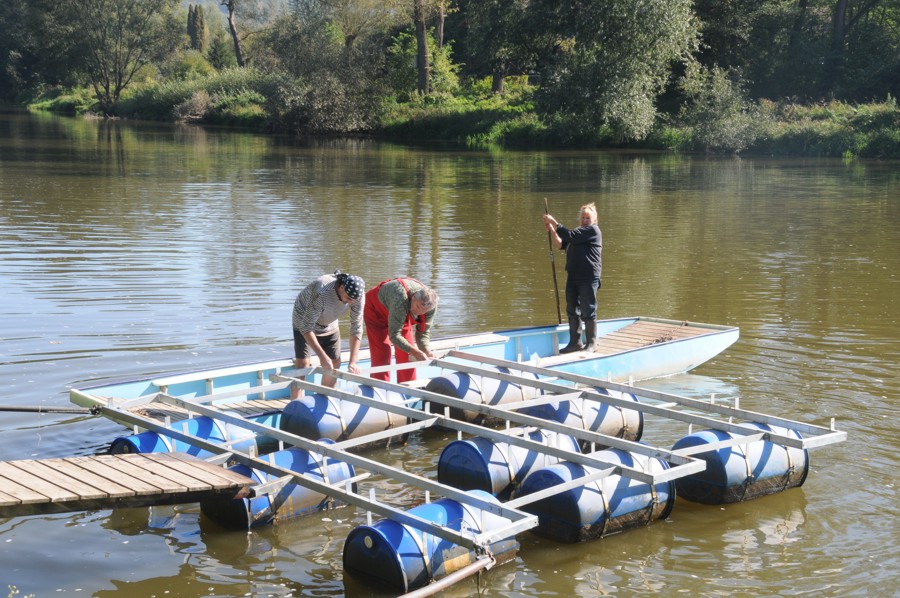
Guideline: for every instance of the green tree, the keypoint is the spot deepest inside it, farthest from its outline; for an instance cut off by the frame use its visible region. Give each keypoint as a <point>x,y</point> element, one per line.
<point>329,86</point>
<point>35,49</point>
<point>720,116</point>
<point>196,28</point>
<point>806,49</point>
<point>221,53</point>
<point>604,62</point>
<point>402,74</point>
<point>422,64</point>
<point>357,20</point>
<point>495,40</point>
<point>231,6</point>
<point>116,39</point>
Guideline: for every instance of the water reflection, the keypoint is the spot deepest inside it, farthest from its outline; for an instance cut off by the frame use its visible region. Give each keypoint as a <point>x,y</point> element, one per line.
<point>132,249</point>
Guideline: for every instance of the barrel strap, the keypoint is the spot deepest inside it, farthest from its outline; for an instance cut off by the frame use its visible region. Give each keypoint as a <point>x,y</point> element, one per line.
<point>322,465</point>
<point>390,415</point>
<point>420,542</point>
<point>332,402</point>
<point>607,514</point>
<point>654,496</point>
<point>167,440</point>
<point>790,469</point>
<point>503,449</point>
<point>624,427</point>
<point>478,387</point>
<point>748,480</point>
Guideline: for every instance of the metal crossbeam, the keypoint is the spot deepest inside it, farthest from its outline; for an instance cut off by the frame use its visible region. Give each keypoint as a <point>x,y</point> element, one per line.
<point>821,436</point>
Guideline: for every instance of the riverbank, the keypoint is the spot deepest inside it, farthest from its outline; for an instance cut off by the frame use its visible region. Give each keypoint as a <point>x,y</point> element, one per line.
<point>479,119</point>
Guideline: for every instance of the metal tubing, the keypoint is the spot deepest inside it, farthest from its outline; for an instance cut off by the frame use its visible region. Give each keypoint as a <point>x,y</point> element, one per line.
<point>484,562</point>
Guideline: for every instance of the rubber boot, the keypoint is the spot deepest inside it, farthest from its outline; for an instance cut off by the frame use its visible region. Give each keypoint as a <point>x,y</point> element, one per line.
<point>590,335</point>
<point>574,337</point>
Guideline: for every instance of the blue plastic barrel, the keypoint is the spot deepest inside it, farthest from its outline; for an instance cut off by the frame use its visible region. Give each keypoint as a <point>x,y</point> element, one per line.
<point>319,416</point>
<point>497,467</point>
<point>479,390</point>
<point>403,558</point>
<point>594,415</point>
<point>292,500</point>
<point>742,472</point>
<point>601,507</point>
<point>202,427</point>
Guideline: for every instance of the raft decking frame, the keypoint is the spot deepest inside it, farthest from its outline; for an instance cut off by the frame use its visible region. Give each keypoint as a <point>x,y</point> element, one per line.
<point>43,486</point>
<point>557,386</point>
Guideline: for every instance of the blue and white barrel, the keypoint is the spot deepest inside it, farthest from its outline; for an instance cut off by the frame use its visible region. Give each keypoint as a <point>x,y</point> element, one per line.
<point>742,472</point>
<point>290,501</point>
<point>202,427</point>
<point>594,416</point>
<point>479,390</point>
<point>601,507</point>
<point>402,558</point>
<point>497,467</point>
<point>320,416</point>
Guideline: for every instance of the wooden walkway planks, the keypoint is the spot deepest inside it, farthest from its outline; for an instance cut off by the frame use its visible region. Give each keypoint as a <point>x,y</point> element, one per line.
<point>247,409</point>
<point>33,487</point>
<point>643,333</point>
<point>634,336</point>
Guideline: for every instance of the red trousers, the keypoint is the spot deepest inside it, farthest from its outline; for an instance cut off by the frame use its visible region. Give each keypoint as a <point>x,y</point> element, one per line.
<point>375,315</point>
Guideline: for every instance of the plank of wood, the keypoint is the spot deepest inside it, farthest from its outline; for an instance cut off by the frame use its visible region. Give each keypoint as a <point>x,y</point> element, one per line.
<point>645,335</point>
<point>129,468</point>
<point>216,475</point>
<point>63,479</point>
<point>89,482</point>
<point>7,500</point>
<point>24,479</point>
<point>74,468</point>
<point>176,480</point>
<point>104,469</point>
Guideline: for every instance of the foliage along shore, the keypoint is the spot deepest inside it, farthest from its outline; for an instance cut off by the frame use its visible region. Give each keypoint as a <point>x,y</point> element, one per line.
<point>478,119</point>
<point>769,77</point>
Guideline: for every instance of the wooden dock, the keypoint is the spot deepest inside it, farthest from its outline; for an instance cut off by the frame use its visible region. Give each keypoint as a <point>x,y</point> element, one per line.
<point>34,487</point>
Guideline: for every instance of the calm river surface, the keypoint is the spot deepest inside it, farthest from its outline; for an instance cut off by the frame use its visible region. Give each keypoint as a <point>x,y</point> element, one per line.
<point>129,249</point>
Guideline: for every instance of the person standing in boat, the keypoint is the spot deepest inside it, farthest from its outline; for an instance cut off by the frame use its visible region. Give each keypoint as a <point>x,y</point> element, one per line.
<point>399,312</point>
<point>583,267</point>
<point>315,323</point>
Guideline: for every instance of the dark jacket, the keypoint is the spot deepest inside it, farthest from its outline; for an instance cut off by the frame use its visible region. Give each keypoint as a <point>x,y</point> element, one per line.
<point>582,246</point>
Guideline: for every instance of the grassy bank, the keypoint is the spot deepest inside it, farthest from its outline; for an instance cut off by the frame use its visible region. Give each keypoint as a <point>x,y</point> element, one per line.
<point>264,102</point>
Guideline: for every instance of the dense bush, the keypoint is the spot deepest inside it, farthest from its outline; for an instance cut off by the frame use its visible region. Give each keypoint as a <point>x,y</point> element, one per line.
<point>835,129</point>
<point>233,96</point>
<point>65,101</point>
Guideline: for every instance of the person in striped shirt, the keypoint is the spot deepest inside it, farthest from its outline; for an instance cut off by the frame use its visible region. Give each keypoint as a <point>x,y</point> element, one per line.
<point>315,323</point>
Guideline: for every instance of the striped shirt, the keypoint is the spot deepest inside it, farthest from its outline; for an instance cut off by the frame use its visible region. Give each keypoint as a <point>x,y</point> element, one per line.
<point>318,307</point>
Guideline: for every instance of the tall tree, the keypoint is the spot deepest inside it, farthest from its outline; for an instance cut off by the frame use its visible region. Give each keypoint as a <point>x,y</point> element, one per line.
<point>116,38</point>
<point>604,62</point>
<point>846,15</point>
<point>196,27</point>
<point>495,39</point>
<point>231,6</point>
<point>422,59</point>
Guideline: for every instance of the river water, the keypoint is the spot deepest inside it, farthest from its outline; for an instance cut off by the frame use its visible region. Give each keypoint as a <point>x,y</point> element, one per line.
<point>134,249</point>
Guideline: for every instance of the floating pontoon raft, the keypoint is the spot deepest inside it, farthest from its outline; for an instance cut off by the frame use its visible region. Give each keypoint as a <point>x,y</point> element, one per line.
<point>410,549</point>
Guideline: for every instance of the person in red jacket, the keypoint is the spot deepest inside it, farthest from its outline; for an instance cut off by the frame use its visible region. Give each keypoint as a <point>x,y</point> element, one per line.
<point>399,312</point>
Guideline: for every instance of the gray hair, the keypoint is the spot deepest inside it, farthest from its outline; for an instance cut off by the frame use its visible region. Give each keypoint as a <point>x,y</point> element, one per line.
<point>428,297</point>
